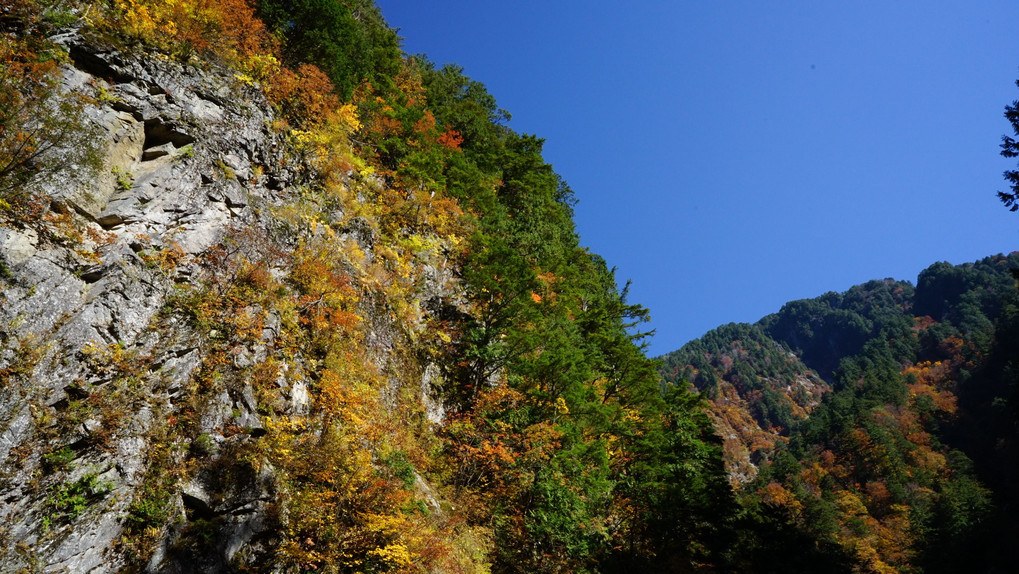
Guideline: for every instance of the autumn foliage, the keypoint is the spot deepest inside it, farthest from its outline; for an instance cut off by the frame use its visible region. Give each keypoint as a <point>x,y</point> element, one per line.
<point>226,28</point>
<point>438,377</point>
<point>877,470</point>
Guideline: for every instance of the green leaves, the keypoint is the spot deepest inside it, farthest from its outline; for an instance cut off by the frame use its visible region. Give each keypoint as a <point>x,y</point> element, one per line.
<point>348,39</point>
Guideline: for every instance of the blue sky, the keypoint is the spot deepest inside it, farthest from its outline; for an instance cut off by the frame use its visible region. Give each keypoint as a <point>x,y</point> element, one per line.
<point>732,156</point>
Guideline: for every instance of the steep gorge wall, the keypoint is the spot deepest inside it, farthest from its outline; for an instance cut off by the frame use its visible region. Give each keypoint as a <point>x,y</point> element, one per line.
<point>110,385</point>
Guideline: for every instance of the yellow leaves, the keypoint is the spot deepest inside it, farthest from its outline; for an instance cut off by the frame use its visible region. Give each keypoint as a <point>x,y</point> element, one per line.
<point>262,67</point>
<point>228,28</point>
<point>169,24</point>
<point>306,138</point>
<point>393,555</point>
<point>560,406</point>
<point>139,21</point>
<point>342,511</point>
<point>286,425</point>
<point>850,504</point>
<point>927,459</point>
<point>342,395</point>
<point>612,447</point>
<point>348,115</point>
<point>327,142</point>
<point>631,416</point>
<point>417,243</point>
<point>882,545</point>
<point>385,523</point>
<point>245,79</point>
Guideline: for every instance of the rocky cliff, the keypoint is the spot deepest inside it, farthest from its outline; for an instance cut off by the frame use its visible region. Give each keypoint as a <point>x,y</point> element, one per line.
<point>135,381</point>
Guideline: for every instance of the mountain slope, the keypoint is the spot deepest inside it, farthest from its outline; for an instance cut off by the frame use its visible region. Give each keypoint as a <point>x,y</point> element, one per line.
<point>757,388</point>
<point>892,464</point>
<point>277,297</point>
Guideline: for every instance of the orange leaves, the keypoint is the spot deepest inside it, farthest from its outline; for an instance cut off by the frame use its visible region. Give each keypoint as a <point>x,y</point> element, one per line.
<point>352,498</point>
<point>934,381</point>
<point>167,258</point>
<point>878,497</point>
<point>450,139</point>
<point>495,456</point>
<point>305,95</point>
<point>776,495</point>
<point>546,288</point>
<point>548,279</point>
<point>342,397</point>
<point>238,27</point>
<point>327,297</point>
<point>426,124</point>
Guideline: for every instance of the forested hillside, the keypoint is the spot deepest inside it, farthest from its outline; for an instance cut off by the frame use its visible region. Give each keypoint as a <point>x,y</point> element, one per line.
<point>909,462</point>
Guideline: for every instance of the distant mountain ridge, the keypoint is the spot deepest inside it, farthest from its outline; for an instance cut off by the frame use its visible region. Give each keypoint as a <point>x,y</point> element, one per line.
<point>881,418</point>
<point>777,369</point>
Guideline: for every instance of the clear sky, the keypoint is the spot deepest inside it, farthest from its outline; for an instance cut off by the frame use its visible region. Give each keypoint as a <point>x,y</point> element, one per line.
<point>731,156</point>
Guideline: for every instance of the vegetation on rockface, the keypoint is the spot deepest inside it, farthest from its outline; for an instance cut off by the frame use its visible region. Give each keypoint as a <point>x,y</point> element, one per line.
<point>891,466</point>
<point>37,119</point>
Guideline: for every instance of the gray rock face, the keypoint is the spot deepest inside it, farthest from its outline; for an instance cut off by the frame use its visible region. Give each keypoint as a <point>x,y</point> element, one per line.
<point>91,365</point>
<point>126,443</point>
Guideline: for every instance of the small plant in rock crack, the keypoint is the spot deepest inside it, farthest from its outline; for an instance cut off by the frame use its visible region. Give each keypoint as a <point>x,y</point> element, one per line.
<point>58,459</point>
<point>203,445</point>
<point>125,179</point>
<point>227,171</point>
<point>68,500</point>
<point>103,94</point>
